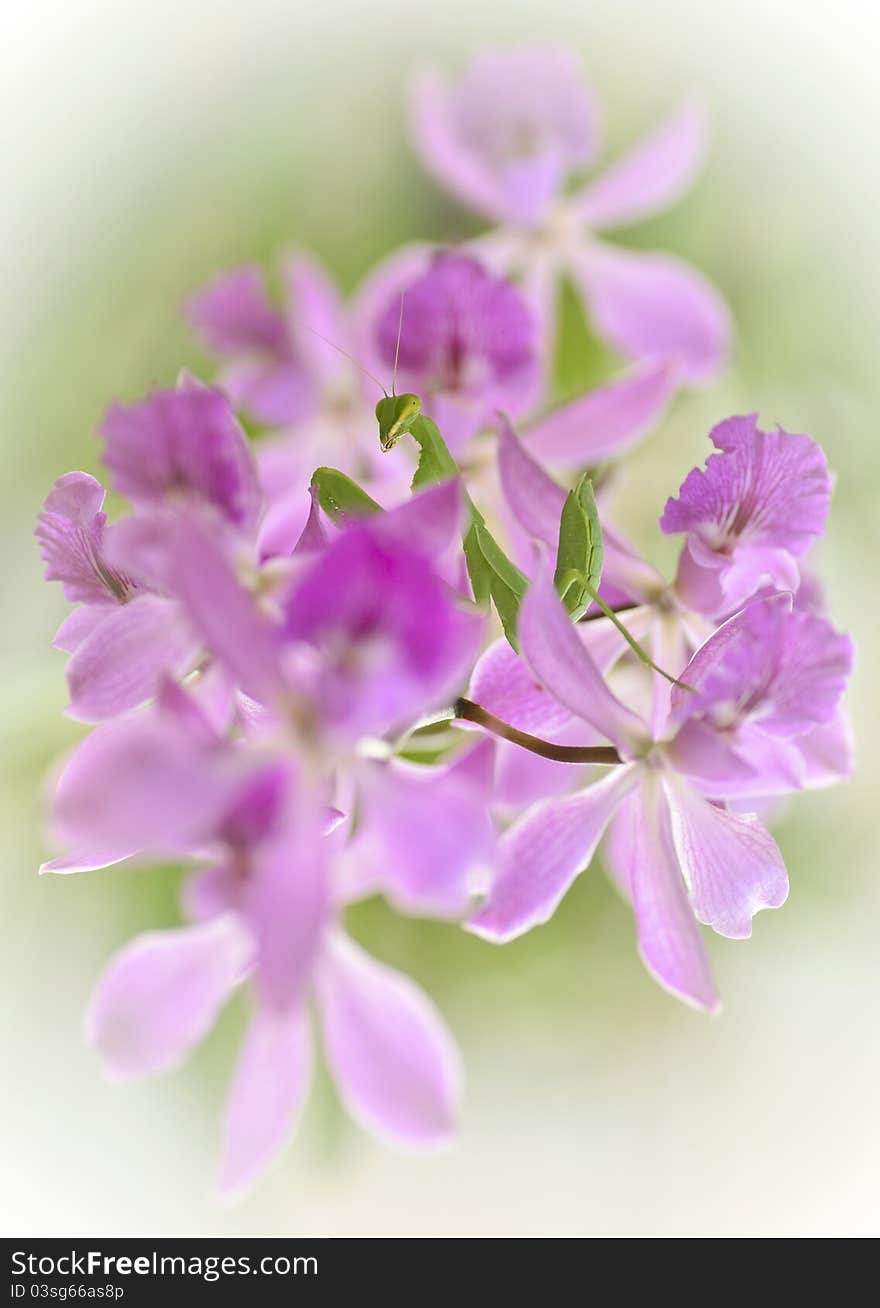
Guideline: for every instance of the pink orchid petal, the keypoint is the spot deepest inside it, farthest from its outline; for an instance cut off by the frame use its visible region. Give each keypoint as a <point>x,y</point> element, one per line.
<point>71,529</point>
<point>507,133</point>
<point>122,662</point>
<point>274,392</point>
<point>626,571</point>
<point>313,538</point>
<point>651,306</point>
<point>650,177</point>
<point>523,778</point>
<point>286,904</point>
<point>540,856</point>
<point>233,314</point>
<point>78,625</point>
<point>731,865</point>
<point>288,519</point>
<point>426,839</point>
<point>140,784</point>
<point>709,757</point>
<point>608,421</point>
<point>224,614</point>
<point>443,152</point>
<point>533,497</point>
<point>394,1061</point>
<point>316,311</point>
<point>502,684</point>
<point>85,860</point>
<point>428,522</point>
<point>268,1090</point>
<point>560,662</point>
<point>771,487</point>
<point>183,443</point>
<point>383,286</point>
<point>782,670</point>
<point>828,751</point>
<point>161,994</point>
<point>669,938</point>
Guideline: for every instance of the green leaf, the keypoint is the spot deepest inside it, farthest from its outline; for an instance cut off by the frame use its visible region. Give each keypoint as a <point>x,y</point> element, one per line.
<point>435,461</point>
<point>580,554</point>
<point>340,497</point>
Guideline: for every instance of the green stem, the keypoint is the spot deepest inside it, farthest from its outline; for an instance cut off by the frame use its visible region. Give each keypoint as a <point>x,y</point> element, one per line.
<point>634,645</point>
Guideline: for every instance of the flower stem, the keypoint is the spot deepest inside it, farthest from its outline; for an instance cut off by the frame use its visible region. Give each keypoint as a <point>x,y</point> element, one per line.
<point>468,711</point>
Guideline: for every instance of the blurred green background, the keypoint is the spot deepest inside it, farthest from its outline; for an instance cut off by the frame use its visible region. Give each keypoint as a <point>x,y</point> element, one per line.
<point>148,146</point>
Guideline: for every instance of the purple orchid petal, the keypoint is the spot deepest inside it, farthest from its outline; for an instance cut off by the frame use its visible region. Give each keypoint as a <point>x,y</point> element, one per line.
<point>316,320</point>
<point>270,1085</point>
<point>233,314</point>
<point>78,626</point>
<point>540,856</point>
<point>313,538</point>
<point>533,497</point>
<point>142,784</point>
<point>394,1062</point>
<point>71,530</point>
<point>273,393</point>
<point>709,756</point>
<point>122,662</point>
<point>182,444</point>
<point>224,614</point>
<point>669,938</point>
<point>828,751</point>
<point>608,421</point>
<point>85,860</point>
<point>731,865</point>
<point>781,669</point>
<point>212,891</point>
<point>161,994</point>
<point>651,306</point>
<point>468,344</point>
<point>140,547</point>
<point>363,604</point>
<point>507,134</point>
<point>426,839</point>
<point>627,572</point>
<point>523,778</point>
<point>286,904</point>
<point>560,662</point>
<point>262,373</point>
<point>761,500</point>
<point>502,684</point>
<point>444,154</point>
<point>651,176</point>
<point>428,522</point>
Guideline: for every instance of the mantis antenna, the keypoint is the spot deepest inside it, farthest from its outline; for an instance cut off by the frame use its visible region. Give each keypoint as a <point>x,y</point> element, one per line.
<point>395,414</point>
<point>350,357</point>
<point>397,347</point>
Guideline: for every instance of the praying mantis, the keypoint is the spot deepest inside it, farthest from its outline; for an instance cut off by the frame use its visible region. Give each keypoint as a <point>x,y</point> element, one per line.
<point>395,413</point>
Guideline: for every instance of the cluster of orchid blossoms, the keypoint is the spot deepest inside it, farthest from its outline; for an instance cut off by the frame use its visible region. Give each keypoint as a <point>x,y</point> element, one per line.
<point>327,662</point>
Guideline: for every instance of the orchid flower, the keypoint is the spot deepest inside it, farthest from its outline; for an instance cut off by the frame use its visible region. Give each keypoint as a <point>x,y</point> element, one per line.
<point>682,858</point>
<point>508,136</point>
<point>293,371</point>
<point>264,914</point>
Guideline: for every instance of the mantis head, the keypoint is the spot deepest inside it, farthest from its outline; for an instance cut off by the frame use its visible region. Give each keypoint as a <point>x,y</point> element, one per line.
<point>395,415</point>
